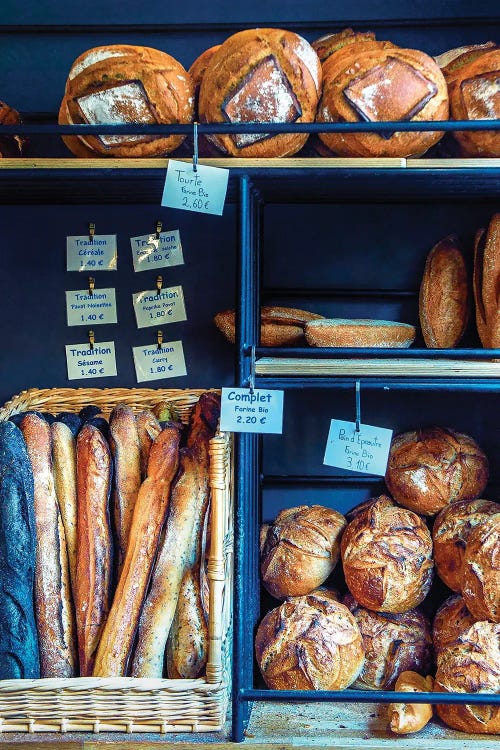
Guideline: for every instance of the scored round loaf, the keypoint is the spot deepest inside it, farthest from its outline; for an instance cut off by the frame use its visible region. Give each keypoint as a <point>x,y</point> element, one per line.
<point>472,665</point>
<point>330,43</point>
<point>481,570</point>
<point>10,145</point>
<point>340,332</point>
<point>450,621</point>
<point>450,533</point>
<point>452,61</point>
<point>261,75</point>
<point>387,557</point>
<point>393,643</point>
<point>300,550</point>
<point>474,96</point>
<point>279,326</point>
<point>432,467</point>
<point>377,81</point>
<point>126,84</point>
<point>486,282</point>
<point>444,295</point>
<point>309,643</point>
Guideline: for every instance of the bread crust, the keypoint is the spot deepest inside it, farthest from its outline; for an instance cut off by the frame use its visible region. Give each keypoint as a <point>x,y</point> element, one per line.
<point>327,44</point>
<point>279,326</point>
<point>338,332</point>
<point>481,570</point>
<point>406,718</point>
<point>10,145</point>
<point>450,621</point>
<point>148,429</point>
<point>64,462</point>
<point>486,281</point>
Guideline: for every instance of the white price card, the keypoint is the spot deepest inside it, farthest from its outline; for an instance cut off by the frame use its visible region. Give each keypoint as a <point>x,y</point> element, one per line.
<point>152,363</point>
<point>366,451</point>
<point>149,252</point>
<point>98,308</point>
<point>203,191</point>
<point>243,410</point>
<point>96,254</point>
<point>84,362</point>
<point>153,309</point>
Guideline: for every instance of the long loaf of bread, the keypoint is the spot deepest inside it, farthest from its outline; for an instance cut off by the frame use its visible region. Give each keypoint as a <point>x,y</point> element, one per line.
<point>149,515</point>
<point>53,602</point>
<point>187,644</point>
<point>64,460</point>
<point>94,545</point>
<point>148,428</point>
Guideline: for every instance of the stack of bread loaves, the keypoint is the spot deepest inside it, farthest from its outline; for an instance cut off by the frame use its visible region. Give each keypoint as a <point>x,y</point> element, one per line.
<point>376,637</point>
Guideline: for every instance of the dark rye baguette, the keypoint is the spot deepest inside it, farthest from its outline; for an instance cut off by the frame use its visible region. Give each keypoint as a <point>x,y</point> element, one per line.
<point>64,460</point>
<point>53,602</point>
<point>149,514</point>
<point>148,429</point>
<point>124,442</point>
<point>94,558</point>
<point>18,636</point>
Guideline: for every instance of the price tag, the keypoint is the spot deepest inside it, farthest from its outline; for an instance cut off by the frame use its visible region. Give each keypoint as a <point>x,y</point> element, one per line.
<point>84,362</point>
<point>246,411</point>
<point>83,308</point>
<point>97,254</point>
<point>153,309</point>
<point>366,451</point>
<point>148,252</point>
<point>152,363</point>
<point>203,191</point>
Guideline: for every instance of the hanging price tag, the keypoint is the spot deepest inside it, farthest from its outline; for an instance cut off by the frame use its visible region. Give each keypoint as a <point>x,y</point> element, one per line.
<point>84,362</point>
<point>153,309</point>
<point>152,363</point>
<point>149,252</point>
<point>203,191</point>
<point>366,451</point>
<point>96,254</point>
<point>243,410</point>
<point>98,308</point>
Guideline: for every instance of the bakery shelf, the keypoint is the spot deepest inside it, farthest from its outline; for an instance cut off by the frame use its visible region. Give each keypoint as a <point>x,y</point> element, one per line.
<point>377,367</point>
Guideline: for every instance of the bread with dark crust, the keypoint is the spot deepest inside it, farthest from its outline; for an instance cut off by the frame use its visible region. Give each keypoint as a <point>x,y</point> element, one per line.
<point>327,44</point>
<point>486,283</point>
<point>450,621</point>
<point>481,570</point>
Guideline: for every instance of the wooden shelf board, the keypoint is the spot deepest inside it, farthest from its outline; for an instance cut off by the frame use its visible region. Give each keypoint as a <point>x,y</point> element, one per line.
<point>453,163</point>
<point>161,164</point>
<point>430,368</point>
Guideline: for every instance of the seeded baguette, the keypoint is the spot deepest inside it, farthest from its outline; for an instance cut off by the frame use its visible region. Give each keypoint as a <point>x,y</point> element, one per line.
<point>338,332</point>
<point>279,326</point>
<point>64,458</point>
<point>148,429</point>
<point>187,644</point>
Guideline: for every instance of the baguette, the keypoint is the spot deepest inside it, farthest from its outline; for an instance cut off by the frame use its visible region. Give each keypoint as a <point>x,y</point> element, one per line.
<point>486,282</point>
<point>149,515</point>
<point>405,718</point>
<point>53,603</point>
<point>148,429</point>
<point>124,442</point>
<point>94,543</point>
<point>64,458</point>
<point>187,644</point>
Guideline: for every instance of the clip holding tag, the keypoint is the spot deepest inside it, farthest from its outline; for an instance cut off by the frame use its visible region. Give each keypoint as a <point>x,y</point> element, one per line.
<point>195,149</point>
<point>91,340</point>
<point>91,231</point>
<point>358,405</point>
<point>251,379</point>
<point>159,226</point>
<point>91,286</point>
<point>159,339</point>
<point>159,284</point>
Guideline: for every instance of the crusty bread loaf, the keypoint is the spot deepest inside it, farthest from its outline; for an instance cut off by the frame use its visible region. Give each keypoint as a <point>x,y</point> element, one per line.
<point>387,557</point>
<point>374,81</point>
<point>340,332</point>
<point>197,71</point>
<point>261,75</point>
<point>432,467</point>
<point>147,521</point>
<point>444,295</point>
<point>393,643</point>
<point>481,570</point>
<point>454,59</point>
<point>64,459</point>
<point>10,145</point>
<point>406,718</point>
<point>300,550</point>
<point>450,621</point>
<point>148,428</point>
<point>472,665</point>
<point>279,326</point>
<point>187,645</point>
<point>450,533</point>
<point>486,283</point>
<point>330,43</point>
<point>309,643</point>
<point>53,602</point>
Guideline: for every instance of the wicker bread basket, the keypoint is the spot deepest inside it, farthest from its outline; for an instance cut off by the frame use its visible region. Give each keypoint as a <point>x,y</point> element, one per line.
<point>129,704</point>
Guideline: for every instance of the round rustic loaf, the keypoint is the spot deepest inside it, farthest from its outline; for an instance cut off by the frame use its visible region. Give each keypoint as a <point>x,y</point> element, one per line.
<point>309,643</point>
<point>300,549</point>
<point>452,61</point>
<point>432,467</point>
<point>481,570</point>
<point>261,75</point>
<point>126,84</point>
<point>472,665</point>
<point>330,43</point>
<point>340,332</point>
<point>279,326</point>
<point>450,621</point>
<point>450,533</point>
<point>387,557</point>
<point>198,68</point>
<point>393,643</point>
<point>376,81</point>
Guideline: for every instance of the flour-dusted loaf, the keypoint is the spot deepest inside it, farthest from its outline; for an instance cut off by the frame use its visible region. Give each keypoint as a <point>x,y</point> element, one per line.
<point>450,533</point>
<point>309,643</point>
<point>393,643</point>
<point>300,550</point>
<point>387,557</point>
<point>18,634</point>
<point>55,617</point>
<point>375,81</point>
<point>450,621</point>
<point>261,75</point>
<point>444,295</point>
<point>472,665</point>
<point>279,326</point>
<point>126,84</point>
<point>486,283</point>
<point>481,570</point>
<point>340,332</point>
<point>432,467</point>
<point>64,460</point>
